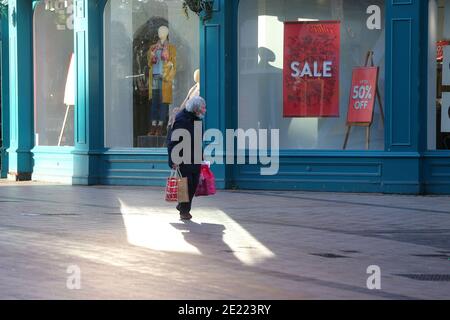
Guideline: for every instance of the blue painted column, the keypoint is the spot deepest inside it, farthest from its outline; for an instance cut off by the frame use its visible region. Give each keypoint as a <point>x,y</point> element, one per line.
<point>89,99</point>
<point>21,89</point>
<point>404,82</point>
<point>5,97</point>
<point>217,39</point>
<point>406,87</point>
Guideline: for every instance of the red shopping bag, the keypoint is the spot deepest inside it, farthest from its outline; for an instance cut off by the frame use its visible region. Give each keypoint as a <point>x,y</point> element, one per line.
<point>172,186</point>
<point>207,183</point>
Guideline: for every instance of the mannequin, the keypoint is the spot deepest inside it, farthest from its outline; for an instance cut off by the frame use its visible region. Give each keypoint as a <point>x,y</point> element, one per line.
<point>193,92</point>
<point>69,95</point>
<point>162,57</point>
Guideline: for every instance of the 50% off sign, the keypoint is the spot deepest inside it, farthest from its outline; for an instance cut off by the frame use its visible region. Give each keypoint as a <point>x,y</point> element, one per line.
<point>362,97</point>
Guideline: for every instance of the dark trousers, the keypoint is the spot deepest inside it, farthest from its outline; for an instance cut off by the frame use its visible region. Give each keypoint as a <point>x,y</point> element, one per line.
<point>159,110</point>
<point>193,177</point>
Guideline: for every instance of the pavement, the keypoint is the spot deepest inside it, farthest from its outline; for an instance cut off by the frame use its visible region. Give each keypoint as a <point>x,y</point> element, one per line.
<point>102,242</point>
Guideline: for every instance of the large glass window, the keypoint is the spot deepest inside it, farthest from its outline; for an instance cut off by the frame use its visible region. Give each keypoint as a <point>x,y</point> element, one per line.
<point>439,75</point>
<point>53,76</point>
<point>311,111</point>
<point>151,51</point>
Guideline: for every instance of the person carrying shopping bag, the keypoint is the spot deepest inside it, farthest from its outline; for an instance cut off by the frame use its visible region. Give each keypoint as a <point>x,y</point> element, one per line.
<point>194,112</point>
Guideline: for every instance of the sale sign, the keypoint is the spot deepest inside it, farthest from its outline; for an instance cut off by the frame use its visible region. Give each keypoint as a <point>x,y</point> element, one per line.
<point>362,95</point>
<point>311,69</point>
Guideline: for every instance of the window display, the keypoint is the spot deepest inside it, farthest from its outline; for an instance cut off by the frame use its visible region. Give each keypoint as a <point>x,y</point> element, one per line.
<point>297,59</point>
<point>162,59</point>
<point>151,51</point>
<point>54,88</point>
<point>439,75</point>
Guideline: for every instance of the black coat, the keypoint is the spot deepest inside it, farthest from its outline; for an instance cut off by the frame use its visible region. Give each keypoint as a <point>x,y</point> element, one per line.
<point>185,120</point>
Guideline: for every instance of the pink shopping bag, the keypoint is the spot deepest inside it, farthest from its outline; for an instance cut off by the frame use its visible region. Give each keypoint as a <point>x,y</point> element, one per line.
<point>207,183</point>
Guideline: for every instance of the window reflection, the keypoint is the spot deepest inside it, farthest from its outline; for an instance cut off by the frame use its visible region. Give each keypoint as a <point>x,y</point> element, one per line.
<point>261,62</point>
<point>54,86</point>
<point>151,52</point>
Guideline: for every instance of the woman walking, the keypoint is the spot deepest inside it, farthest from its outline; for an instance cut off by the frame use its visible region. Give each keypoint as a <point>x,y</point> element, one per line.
<point>195,111</point>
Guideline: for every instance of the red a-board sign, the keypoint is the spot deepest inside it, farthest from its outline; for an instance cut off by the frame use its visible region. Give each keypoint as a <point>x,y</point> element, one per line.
<point>311,69</point>
<point>440,49</point>
<point>362,95</point>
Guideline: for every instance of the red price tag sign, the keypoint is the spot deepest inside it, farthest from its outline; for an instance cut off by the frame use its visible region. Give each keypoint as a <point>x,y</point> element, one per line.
<point>362,95</point>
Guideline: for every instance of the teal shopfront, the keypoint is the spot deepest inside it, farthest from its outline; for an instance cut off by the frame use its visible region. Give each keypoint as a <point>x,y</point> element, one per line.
<point>88,87</point>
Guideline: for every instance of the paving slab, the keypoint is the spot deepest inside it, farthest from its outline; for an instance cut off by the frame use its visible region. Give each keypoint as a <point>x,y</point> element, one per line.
<point>127,243</point>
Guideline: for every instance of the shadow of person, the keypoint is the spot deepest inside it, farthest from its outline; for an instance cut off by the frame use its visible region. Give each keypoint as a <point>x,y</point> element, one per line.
<point>208,238</point>
<point>270,80</point>
<point>266,57</point>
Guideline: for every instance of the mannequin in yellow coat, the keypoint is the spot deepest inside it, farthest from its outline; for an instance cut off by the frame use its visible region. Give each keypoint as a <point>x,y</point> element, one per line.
<point>162,62</point>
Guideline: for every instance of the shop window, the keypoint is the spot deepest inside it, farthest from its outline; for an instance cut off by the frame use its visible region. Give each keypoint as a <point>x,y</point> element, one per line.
<point>439,75</point>
<point>151,52</point>
<point>296,72</point>
<point>54,86</point>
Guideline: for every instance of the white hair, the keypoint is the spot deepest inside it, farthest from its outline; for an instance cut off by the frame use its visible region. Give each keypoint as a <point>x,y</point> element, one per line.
<point>195,104</point>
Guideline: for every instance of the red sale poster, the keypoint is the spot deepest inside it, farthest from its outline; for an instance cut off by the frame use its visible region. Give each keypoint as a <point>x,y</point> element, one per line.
<point>311,69</point>
<point>362,95</point>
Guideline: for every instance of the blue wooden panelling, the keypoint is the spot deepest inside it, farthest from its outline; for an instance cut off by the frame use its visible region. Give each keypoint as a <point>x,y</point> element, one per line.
<point>404,81</point>
<point>53,164</point>
<point>128,167</point>
<point>337,171</point>
<point>5,97</point>
<point>400,74</point>
<point>89,100</point>
<point>437,172</point>
<point>214,66</point>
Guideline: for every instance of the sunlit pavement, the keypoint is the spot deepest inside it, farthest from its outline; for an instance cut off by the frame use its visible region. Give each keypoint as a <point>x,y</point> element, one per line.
<point>129,244</point>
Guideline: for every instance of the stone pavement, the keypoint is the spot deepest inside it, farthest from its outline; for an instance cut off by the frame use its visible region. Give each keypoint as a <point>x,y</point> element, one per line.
<point>129,244</point>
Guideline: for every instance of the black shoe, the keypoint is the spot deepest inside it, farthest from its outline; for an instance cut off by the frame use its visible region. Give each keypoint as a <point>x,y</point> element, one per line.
<point>185,216</point>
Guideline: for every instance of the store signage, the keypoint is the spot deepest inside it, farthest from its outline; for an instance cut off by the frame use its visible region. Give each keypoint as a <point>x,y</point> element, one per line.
<point>446,67</point>
<point>445,114</point>
<point>311,69</point>
<point>362,95</point>
<point>440,49</point>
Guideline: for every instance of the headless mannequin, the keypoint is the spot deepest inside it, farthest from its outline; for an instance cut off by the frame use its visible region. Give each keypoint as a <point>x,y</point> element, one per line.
<point>193,92</point>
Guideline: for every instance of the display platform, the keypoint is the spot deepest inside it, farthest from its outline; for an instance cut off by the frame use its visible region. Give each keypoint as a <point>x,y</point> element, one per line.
<point>152,142</point>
